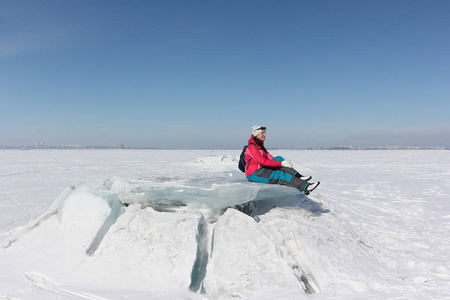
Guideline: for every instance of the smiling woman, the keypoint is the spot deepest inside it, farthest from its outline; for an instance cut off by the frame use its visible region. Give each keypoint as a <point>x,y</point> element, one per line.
<point>264,168</point>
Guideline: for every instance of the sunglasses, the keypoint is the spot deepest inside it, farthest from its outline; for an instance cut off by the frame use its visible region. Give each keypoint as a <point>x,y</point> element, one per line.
<point>261,128</point>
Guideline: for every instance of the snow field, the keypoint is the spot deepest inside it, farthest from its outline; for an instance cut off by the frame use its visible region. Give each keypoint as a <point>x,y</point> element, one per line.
<point>377,227</point>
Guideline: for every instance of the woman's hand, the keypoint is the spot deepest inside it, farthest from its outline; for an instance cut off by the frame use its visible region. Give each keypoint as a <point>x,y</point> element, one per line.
<point>286,163</point>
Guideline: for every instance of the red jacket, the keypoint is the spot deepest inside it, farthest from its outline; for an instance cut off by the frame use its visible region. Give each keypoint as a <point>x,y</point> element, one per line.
<point>257,157</point>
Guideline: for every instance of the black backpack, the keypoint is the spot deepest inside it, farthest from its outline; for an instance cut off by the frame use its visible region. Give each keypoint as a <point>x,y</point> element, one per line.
<point>242,163</point>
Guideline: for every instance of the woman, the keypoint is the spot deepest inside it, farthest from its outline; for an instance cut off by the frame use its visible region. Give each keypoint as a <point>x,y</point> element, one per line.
<point>264,168</point>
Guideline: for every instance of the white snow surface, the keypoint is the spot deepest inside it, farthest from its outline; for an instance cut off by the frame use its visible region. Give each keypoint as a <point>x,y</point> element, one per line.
<point>376,228</point>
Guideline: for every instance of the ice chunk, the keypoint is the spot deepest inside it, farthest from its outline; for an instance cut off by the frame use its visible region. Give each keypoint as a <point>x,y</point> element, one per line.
<point>53,209</point>
<point>83,215</point>
<point>88,213</point>
<point>116,209</point>
<point>244,262</point>
<point>56,245</point>
<point>216,197</point>
<point>147,248</point>
<point>207,191</point>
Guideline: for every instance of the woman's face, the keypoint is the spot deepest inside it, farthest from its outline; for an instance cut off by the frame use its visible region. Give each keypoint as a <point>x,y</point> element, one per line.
<point>261,136</point>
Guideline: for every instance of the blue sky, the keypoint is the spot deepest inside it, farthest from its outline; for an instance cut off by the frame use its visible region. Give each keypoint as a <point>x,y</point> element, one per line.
<point>198,74</point>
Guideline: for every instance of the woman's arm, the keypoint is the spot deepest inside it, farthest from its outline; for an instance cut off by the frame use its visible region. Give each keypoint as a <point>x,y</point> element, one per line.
<point>261,160</point>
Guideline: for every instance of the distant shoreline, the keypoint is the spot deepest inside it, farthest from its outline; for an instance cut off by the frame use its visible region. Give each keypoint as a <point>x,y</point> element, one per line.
<point>339,148</point>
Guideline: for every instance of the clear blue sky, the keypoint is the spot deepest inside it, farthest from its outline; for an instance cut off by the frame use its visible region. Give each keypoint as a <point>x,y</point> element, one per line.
<point>195,74</point>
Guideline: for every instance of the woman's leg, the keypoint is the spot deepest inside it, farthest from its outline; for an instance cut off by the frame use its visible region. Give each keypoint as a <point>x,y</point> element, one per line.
<point>291,171</point>
<point>274,176</point>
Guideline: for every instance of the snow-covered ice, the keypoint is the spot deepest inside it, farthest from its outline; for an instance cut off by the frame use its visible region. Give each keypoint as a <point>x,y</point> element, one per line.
<point>376,228</point>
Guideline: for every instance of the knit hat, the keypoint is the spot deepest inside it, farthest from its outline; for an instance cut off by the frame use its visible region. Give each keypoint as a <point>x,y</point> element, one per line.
<point>256,129</point>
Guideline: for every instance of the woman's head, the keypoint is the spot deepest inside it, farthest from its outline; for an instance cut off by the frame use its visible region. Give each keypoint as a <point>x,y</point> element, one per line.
<point>259,132</point>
